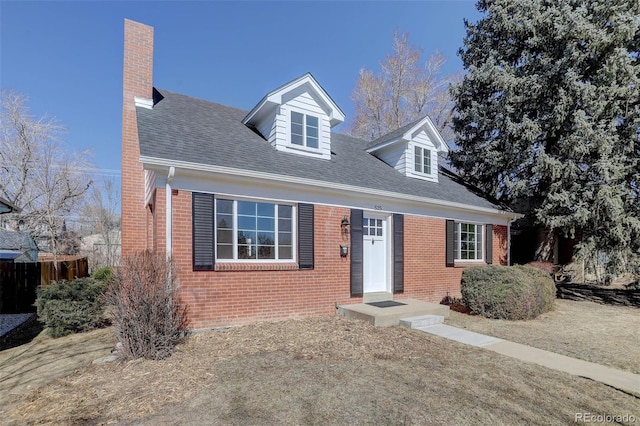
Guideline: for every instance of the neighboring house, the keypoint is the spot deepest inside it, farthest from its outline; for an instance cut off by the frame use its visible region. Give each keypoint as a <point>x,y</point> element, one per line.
<point>7,207</point>
<point>270,214</point>
<point>101,251</point>
<point>17,247</point>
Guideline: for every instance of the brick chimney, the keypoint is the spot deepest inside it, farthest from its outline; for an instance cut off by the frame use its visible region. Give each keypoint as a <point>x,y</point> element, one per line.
<point>137,82</point>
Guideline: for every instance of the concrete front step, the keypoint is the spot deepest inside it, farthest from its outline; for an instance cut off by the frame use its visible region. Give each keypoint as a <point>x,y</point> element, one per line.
<point>385,317</point>
<point>421,321</point>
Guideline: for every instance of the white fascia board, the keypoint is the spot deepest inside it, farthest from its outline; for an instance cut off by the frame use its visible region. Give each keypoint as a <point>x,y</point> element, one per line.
<point>336,115</point>
<point>383,145</point>
<point>437,135</point>
<point>255,110</point>
<point>152,163</point>
<point>432,130</point>
<point>274,98</point>
<point>408,136</point>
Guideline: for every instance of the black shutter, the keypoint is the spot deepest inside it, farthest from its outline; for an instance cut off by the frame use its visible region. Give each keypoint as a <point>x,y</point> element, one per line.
<point>488,253</point>
<point>356,253</point>
<point>398,253</point>
<point>202,213</point>
<point>305,236</point>
<point>450,256</point>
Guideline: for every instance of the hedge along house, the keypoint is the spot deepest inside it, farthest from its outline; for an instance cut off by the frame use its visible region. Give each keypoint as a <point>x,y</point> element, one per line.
<point>270,214</point>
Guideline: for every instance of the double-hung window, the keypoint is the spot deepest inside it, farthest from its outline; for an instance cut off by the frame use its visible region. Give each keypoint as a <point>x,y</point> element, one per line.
<point>304,130</point>
<point>253,230</point>
<point>422,160</point>
<point>468,241</point>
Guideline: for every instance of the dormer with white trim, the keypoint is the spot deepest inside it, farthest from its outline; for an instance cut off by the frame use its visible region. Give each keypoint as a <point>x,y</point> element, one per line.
<point>412,150</point>
<point>297,118</point>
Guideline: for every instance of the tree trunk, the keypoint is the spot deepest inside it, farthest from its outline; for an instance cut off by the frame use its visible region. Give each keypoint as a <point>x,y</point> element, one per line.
<point>546,243</point>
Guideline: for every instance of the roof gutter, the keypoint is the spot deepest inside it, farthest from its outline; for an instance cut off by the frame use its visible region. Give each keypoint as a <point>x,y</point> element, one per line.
<point>322,184</point>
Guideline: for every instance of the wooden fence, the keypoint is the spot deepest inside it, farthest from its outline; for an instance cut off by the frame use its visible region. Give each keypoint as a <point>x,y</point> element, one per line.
<point>69,267</point>
<point>19,281</point>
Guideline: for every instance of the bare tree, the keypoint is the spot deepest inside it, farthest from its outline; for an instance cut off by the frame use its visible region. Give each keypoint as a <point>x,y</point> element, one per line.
<point>38,173</point>
<point>102,213</point>
<point>404,91</point>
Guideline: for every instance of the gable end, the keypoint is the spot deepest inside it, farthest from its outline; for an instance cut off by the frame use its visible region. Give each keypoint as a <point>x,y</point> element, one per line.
<point>297,118</point>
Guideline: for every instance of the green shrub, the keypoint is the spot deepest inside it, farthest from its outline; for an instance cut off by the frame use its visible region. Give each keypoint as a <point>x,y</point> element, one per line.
<point>507,292</point>
<point>67,307</point>
<point>102,274</point>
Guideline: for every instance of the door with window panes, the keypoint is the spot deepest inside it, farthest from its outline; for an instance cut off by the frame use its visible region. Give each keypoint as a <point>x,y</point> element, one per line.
<point>375,253</point>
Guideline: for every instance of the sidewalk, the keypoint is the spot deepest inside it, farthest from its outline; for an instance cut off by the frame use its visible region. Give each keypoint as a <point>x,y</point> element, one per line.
<point>623,380</point>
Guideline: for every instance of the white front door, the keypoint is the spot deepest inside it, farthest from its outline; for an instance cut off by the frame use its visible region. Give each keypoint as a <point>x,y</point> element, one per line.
<point>375,253</point>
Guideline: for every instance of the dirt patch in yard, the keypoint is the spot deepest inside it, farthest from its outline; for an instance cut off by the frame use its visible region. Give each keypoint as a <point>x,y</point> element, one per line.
<point>327,370</point>
<point>603,334</point>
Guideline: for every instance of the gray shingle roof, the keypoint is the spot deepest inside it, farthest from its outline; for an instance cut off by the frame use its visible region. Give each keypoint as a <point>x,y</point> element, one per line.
<point>182,128</point>
<point>393,135</point>
<point>14,240</point>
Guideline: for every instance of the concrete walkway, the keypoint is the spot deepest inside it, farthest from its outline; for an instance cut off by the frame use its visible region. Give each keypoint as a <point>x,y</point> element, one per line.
<point>618,379</point>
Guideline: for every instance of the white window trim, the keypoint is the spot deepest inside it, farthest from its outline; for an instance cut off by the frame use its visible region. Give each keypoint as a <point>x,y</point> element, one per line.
<point>294,231</point>
<point>422,156</point>
<point>304,147</point>
<point>433,176</point>
<point>457,243</point>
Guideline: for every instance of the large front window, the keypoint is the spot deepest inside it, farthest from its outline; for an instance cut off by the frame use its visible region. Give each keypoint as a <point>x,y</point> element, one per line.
<point>304,130</point>
<point>468,241</point>
<point>253,230</point>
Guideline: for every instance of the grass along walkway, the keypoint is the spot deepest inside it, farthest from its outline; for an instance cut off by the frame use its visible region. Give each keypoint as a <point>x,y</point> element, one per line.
<point>602,334</point>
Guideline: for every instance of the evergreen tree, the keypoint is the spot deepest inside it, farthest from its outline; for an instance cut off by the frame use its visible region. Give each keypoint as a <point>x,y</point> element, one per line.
<point>548,119</point>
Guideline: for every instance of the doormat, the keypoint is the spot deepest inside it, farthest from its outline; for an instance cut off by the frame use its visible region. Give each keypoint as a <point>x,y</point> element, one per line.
<point>386,304</point>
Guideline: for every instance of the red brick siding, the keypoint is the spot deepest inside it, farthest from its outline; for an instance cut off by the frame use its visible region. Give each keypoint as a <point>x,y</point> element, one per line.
<point>243,293</point>
<point>137,81</point>
<point>500,244</point>
<point>426,276</point>
<point>218,298</point>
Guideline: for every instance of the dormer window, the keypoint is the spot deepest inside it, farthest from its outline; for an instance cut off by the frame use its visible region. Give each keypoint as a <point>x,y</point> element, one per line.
<point>297,118</point>
<point>304,130</point>
<point>422,160</point>
<point>412,150</point>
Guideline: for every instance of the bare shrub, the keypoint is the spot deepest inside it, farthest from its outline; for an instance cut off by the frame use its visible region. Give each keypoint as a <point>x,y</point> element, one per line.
<point>148,317</point>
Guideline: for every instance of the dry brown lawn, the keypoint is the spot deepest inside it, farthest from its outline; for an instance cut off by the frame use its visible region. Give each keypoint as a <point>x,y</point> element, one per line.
<point>603,334</point>
<point>44,359</point>
<point>326,370</point>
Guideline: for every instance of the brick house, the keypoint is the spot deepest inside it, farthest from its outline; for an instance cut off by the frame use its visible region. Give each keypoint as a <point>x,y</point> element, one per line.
<point>270,214</point>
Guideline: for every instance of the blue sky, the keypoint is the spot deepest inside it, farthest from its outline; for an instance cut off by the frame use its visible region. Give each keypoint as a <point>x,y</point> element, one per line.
<point>67,56</point>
